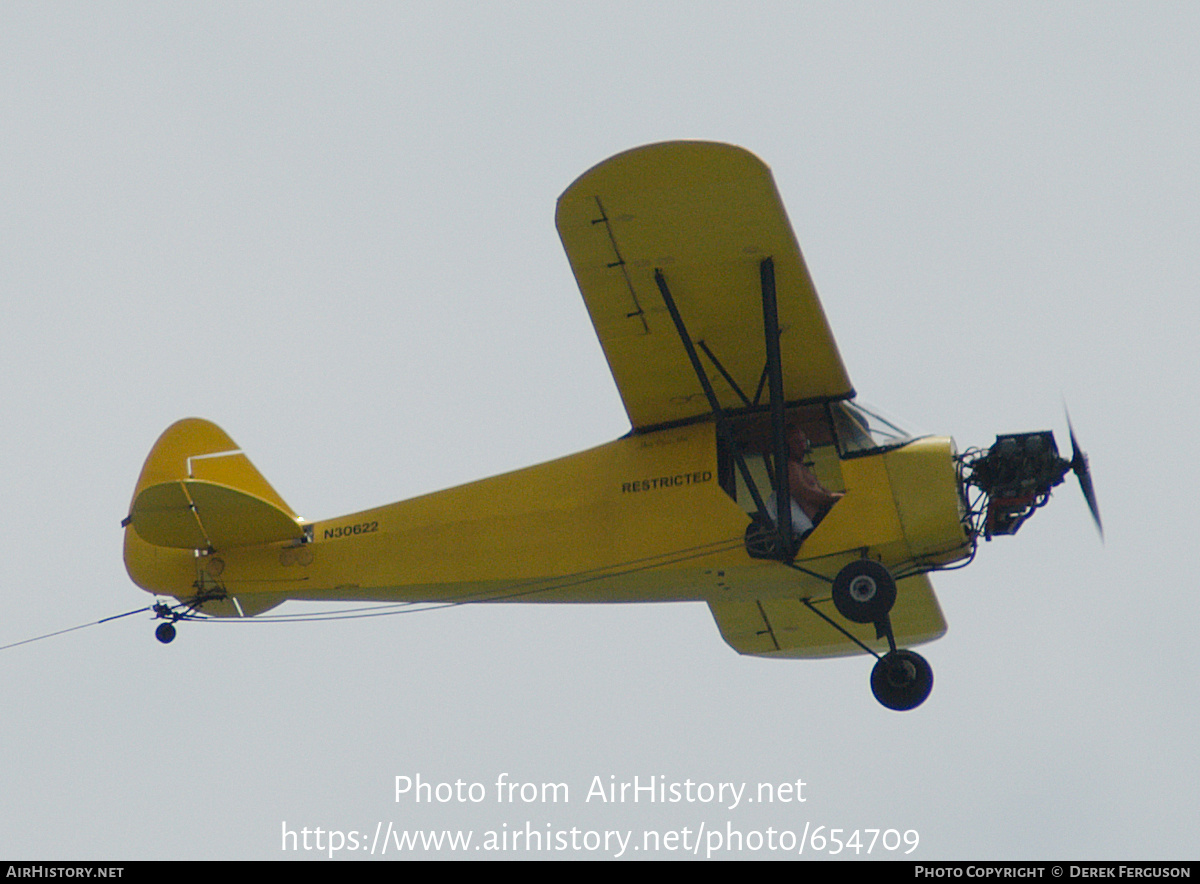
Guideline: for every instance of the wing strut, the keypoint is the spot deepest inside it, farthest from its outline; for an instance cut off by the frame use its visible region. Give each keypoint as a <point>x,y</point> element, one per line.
<point>712,357</point>
<point>783,497</point>
<point>702,376</point>
<point>774,372</point>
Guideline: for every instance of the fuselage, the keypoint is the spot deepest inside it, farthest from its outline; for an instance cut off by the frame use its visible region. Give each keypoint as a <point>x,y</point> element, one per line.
<point>656,516</point>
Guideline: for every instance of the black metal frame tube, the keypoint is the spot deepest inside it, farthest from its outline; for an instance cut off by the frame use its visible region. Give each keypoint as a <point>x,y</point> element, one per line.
<point>783,497</point>
<point>713,403</point>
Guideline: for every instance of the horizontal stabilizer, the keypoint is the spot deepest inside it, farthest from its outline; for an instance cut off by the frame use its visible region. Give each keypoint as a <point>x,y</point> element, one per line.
<point>199,491</point>
<point>194,514</point>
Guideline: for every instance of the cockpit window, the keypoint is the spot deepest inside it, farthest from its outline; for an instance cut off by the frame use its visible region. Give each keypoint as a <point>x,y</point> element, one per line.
<point>859,429</point>
<point>751,437</point>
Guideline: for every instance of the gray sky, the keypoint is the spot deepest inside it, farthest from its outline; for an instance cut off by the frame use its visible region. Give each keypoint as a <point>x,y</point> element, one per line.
<point>329,229</point>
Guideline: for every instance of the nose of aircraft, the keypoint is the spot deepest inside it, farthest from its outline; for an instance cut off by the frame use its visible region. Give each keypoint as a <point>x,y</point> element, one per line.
<point>1017,474</point>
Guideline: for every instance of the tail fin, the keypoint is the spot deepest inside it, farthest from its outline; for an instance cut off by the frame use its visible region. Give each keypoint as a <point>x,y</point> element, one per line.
<point>198,491</point>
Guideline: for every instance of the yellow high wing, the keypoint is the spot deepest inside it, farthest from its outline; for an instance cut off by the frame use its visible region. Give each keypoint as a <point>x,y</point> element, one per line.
<point>704,215</point>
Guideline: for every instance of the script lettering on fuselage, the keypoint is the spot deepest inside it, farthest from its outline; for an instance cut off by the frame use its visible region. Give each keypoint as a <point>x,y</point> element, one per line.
<point>660,482</point>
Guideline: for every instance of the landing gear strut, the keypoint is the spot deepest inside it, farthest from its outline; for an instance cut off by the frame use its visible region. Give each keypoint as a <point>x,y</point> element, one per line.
<point>864,592</point>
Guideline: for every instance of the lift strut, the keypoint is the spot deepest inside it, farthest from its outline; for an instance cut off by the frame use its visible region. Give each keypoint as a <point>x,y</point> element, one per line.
<point>785,545</point>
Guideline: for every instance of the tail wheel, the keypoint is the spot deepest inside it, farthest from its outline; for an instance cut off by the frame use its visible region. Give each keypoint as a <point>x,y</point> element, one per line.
<point>901,680</point>
<point>165,633</point>
<point>864,591</point>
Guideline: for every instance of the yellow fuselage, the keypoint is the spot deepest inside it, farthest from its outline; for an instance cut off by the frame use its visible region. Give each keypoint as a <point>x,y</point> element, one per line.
<point>643,518</point>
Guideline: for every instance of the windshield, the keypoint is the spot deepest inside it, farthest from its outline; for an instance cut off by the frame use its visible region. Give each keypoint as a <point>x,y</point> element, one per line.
<point>861,429</point>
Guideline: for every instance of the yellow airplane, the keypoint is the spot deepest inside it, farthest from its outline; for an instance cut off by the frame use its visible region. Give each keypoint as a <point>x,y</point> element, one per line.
<point>737,398</point>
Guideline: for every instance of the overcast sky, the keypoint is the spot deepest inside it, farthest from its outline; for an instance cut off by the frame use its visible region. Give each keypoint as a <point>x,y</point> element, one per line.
<point>329,228</point>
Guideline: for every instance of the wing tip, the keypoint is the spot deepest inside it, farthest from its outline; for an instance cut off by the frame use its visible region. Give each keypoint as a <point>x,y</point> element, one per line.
<point>690,154</point>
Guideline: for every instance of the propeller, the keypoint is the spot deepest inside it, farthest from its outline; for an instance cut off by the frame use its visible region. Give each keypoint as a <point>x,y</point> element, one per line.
<point>1079,466</point>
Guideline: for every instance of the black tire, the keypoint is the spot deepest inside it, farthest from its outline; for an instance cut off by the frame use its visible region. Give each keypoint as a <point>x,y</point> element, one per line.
<point>864,591</point>
<point>902,680</point>
<point>165,633</point>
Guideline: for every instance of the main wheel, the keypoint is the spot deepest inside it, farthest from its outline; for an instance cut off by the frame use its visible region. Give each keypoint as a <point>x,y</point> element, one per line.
<point>902,680</point>
<point>864,591</point>
<point>165,633</point>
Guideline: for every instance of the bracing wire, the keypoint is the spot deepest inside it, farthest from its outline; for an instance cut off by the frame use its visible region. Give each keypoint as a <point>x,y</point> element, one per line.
<point>38,638</point>
<point>319,616</point>
<point>185,610</point>
<point>519,590</point>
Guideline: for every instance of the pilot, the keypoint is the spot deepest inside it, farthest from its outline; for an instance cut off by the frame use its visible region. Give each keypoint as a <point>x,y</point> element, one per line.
<point>810,499</point>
